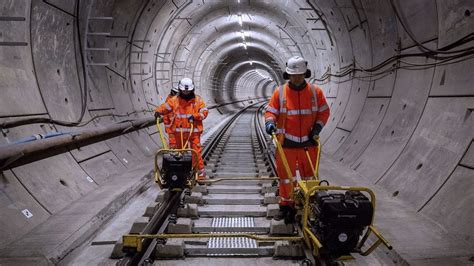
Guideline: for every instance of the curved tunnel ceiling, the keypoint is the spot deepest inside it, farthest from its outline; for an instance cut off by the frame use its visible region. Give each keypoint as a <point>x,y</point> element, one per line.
<point>399,87</point>
<point>220,35</point>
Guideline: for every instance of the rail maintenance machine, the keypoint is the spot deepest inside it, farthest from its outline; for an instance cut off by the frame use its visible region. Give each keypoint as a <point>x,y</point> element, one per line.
<point>333,221</point>
<point>177,171</point>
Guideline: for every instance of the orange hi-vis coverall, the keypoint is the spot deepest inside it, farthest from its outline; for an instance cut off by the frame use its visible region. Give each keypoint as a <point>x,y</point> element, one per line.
<point>167,121</point>
<point>295,112</point>
<point>181,111</point>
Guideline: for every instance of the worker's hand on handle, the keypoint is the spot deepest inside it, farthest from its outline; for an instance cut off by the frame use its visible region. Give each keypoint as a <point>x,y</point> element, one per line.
<point>316,139</point>
<point>314,134</point>
<point>158,117</point>
<point>191,119</point>
<point>270,127</point>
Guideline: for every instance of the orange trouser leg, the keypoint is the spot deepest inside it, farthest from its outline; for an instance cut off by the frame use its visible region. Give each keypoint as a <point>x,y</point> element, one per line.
<point>194,143</point>
<point>284,186</point>
<point>172,140</point>
<point>293,155</point>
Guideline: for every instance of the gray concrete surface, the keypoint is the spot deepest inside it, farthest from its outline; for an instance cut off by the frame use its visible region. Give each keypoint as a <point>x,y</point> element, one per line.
<point>408,132</point>
<point>66,230</point>
<point>99,247</point>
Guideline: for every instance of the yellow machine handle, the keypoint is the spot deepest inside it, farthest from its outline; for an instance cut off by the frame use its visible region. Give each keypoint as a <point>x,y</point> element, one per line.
<point>316,169</point>
<point>162,137</point>
<point>315,174</point>
<point>189,136</point>
<point>285,163</point>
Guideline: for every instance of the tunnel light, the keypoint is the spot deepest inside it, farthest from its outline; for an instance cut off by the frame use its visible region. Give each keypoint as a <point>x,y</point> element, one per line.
<point>251,62</point>
<point>242,34</point>
<point>245,46</point>
<point>240,19</point>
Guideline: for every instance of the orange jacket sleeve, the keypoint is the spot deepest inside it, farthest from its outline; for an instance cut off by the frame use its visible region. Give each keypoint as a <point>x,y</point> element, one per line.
<point>167,118</point>
<point>165,108</point>
<point>201,108</point>
<point>273,108</point>
<point>323,108</point>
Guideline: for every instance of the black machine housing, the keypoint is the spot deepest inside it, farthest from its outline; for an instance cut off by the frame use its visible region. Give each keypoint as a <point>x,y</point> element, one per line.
<point>339,219</point>
<point>176,170</point>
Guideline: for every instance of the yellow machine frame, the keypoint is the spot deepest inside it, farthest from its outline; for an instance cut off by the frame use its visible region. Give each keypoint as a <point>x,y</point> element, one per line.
<point>135,241</point>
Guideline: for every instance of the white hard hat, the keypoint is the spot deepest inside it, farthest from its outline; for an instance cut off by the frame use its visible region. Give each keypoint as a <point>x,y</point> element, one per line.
<point>186,84</point>
<point>296,65</point>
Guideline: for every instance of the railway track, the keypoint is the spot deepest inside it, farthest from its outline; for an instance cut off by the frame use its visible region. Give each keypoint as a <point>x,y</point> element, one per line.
<point>224,220</point>
<point>229,203</point>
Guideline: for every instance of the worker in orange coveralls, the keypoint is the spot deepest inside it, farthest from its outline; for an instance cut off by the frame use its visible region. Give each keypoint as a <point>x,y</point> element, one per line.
<point>187,108</point>
<point>296,113</point>
<point>168,120</point>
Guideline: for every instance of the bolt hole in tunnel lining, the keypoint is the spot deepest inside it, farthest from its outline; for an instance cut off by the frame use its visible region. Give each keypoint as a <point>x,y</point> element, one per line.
<point>63,182</point>
<point>418,167</point>
<point>395,193</point>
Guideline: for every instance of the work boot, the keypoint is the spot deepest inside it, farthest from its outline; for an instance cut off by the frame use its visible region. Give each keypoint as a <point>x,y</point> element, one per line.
<point>202,174</point>
<point>282,213</point>
<point>290,216</point>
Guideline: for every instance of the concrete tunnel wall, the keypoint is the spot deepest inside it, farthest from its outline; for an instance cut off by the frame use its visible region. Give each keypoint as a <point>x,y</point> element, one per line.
<point>409,130</point>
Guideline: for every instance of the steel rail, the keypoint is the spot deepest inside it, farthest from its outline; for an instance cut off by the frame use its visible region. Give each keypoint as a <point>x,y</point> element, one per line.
<point>156,222</point>
<point>262,140</point>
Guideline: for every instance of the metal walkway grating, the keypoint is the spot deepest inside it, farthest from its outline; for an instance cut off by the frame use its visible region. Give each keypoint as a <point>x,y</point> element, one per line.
<point>232,246</point>
<point>233,222</point>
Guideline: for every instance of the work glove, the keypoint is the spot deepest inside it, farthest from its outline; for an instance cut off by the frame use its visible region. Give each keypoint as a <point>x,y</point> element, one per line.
<point>191,119</point>
<point>315,132</point>
<point>157,115</point>
<point>270,127</point>
<point>197,116</point>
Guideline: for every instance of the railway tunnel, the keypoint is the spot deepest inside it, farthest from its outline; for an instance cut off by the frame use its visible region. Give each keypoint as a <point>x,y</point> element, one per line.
<point>80,80</point>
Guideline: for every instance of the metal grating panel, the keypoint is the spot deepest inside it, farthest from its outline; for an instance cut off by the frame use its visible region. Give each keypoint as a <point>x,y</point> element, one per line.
<point>233,222</point>
<point>230,244</point>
